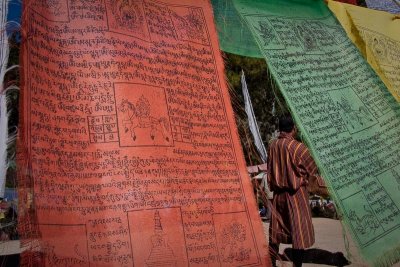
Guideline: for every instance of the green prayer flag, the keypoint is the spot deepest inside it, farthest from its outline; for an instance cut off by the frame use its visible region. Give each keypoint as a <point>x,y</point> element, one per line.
<point>233,34</point>
<point>349,119</point>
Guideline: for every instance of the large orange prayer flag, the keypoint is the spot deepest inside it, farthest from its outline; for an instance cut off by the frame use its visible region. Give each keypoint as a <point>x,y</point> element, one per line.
<point>128,151</point>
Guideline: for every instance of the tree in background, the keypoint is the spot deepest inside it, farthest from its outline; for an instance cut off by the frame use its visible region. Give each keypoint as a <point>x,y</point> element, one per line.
<point>267,101</point>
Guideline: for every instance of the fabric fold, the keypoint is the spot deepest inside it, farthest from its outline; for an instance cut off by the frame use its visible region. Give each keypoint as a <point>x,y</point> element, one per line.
<point>234,36</point>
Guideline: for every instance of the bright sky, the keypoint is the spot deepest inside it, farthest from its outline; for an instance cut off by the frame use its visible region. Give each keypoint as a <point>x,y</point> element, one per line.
<point>14,10</point>
<point>14,14</point>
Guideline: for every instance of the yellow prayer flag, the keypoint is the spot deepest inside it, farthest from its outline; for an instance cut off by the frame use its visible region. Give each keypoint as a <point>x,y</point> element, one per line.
<point>377,36</point>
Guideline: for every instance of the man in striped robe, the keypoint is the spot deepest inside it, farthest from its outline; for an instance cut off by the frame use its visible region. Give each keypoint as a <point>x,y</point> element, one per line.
<point>289,166</point>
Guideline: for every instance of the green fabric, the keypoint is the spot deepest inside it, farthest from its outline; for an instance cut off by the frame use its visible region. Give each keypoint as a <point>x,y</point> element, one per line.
<point>350,121</point>
<point>234,36</point>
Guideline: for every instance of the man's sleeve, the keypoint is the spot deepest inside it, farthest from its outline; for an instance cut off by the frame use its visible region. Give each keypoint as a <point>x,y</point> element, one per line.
<point>305,162</point>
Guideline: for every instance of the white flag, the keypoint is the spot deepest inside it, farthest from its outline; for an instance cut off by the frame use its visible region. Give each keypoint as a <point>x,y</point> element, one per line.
<point>252,121</point>
<point>3,102</point>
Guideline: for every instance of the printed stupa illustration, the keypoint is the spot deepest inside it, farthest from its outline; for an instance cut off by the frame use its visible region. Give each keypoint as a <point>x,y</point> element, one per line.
<point>161,253</point>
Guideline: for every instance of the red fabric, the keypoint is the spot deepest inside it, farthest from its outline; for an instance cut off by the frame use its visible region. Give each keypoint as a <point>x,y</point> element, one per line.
<point>128,153</point>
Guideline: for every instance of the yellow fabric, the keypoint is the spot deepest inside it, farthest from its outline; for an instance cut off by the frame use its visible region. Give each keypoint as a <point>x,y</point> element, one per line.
<point>377,36</point>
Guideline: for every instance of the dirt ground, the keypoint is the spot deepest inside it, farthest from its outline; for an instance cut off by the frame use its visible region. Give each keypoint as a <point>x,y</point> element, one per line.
<point>330,242</point>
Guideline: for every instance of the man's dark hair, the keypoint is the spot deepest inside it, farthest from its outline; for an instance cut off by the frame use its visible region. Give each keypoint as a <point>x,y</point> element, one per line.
<point>286,124</point>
